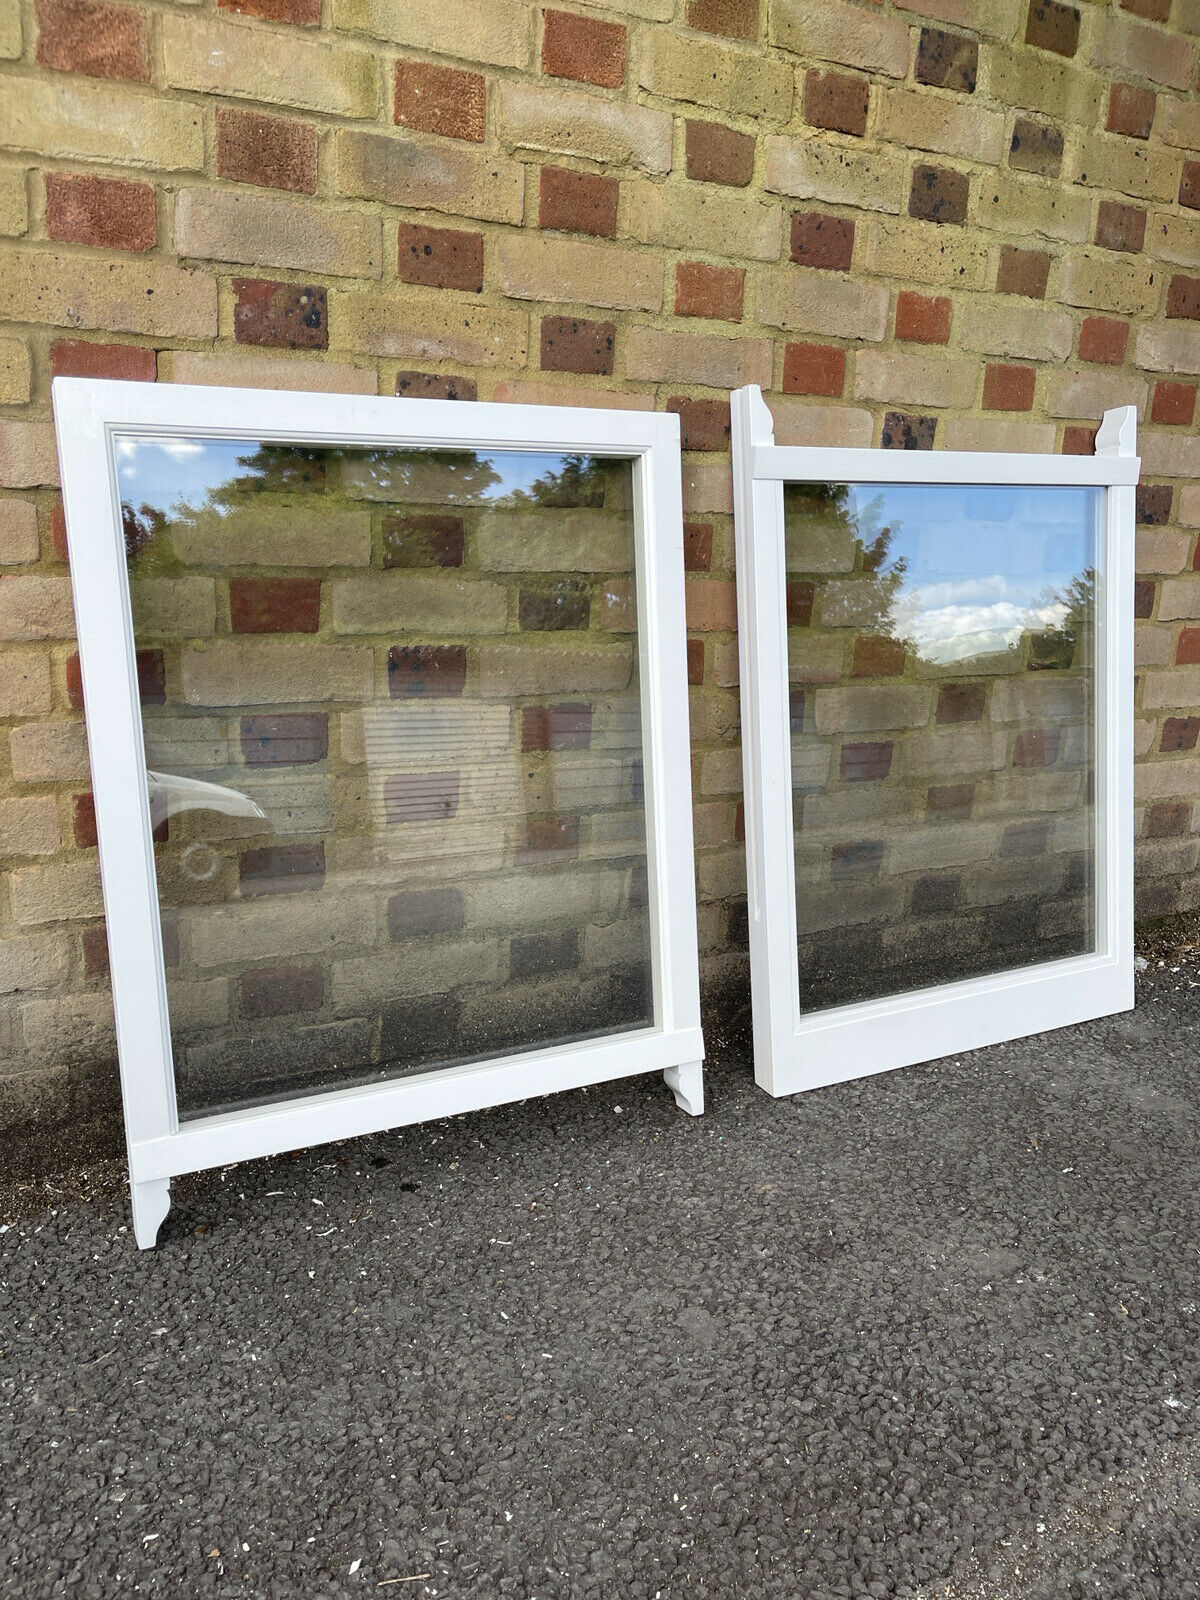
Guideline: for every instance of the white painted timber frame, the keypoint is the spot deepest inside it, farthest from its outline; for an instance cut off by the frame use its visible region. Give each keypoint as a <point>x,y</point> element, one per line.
<point>794,1051</point>
<point>89,414</point>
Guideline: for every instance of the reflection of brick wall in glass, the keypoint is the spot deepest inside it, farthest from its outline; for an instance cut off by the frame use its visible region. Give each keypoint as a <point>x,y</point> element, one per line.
<point>939,642</point>
<point>395,735</point>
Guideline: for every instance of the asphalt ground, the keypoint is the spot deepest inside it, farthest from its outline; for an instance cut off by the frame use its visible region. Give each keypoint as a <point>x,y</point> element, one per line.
<point>930,1334</point>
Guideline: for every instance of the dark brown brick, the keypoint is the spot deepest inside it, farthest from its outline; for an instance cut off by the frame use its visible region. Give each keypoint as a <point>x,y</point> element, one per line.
<point>1120,227</point>
<point>1036,147</point>
<point>935,893</point>
<point>961,702</point>
<point>427,671</point>
<point>423,539</point>
<point>923,318</point>
<point>1153,503</point>
<point>578,202</point>
<point>109,212</point>
<point>583,48</point>
<point>1036,747</point>
<point>280,991</point>
<point>1189,186</point>
<point>716,154</point>
<point>814,369</point>
<point>861,858</point>
<point>903,430</point>
<point>571,344</point>
<point>268,151</point>
<point>1024,272</point>
<point>1078,440</point>
<point>286,316</point>
<point>703,424</point>
<point>733,19</point>
<point>540,955</point>
<point>950,801</point>
<point>1130,110</point>
<point>94,948</point>
<point>284,738</point>
<point>877,656</point>
<point>866,762</point>
<point>947,60</point>
<point>281,869</point>
<point>704,291</point>
<point>1025,839</point>
<point>836,100</point>
<point>1167,819</point>
<point>1051,26</point>
<point>1143,598</point>
<point>939,194</point>
<point>1103,339</point>
<point>1180,733</point>
<point>304,13</point>
<point>1174,404</point>
<point>83,820</point>
<point>819,240</point>
<point>801,598</point>
<point>424,913</point>
<point>151,676</point>
<point>443,100</point>
<point>443,258</point>
<point>104,41</point>
<point>76,358</point>
<point>435,386</point>
<point>274,605</point>
<point>420,797</point>
<point>1183,297</point>
<point>695,661</point>
<point>550,835</point>
<point>1152,10</point>
<point>560,727</point>
<point>555,605</point>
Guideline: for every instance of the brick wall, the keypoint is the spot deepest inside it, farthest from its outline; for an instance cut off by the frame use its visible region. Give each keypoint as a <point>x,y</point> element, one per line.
<point>936,223</point>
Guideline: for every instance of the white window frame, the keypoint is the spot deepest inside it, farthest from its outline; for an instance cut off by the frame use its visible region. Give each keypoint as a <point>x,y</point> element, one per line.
<point>795,1051</point>
<point>88,413</point>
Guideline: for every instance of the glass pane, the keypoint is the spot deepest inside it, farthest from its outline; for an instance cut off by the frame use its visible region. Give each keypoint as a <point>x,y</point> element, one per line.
<point>392,718</point>
<point>940,644</point>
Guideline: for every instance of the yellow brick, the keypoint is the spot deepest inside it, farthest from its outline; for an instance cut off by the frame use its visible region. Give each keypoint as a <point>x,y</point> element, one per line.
<point>29,826</point>
<point>841,175</point>
<point>14,207</point>
<point>833,31</point>
<point>61,116</point>
<point>250,370</point>
<point>28,456</point>
<point>909,378</point>
<point>1180,686</point>
<point>1174,239</point>
<point>35,961</point>
<point>36,608</point>
<point>800,421</point>
<point>266,231</point>
<point>493,31</point>
<point>440,176</point>
<point>57,893</point>
<point>927,253</point>
<point>122,296</point>
<point>744,83</point>
<point>1049,209</point>
<point>1089,394</point>
<point>998,433</point>
<point>1167,455</point>
<point>658,357</point>
<point>18,531</point>
<point>708,486</point>
<point>531,266</point>
<point>1168,347</point>
<point>804,300</point>
<point>921,121</point>
<point>14,372</point>
<point>1162,549</point>
<point>1038,81</point>
<point>10,30</point>
<point>1181,122</point>
<point>1006,328</point>
<point>1126,46</point>
<point>531,392</point>
<point>686,216</point>
<point>25,688</point>
<point>47,752</point>
<point>571,123</point>
<point>1126,166</point>
<point>237,58</point>
<point>416,326</point>
<point>1109,282</point>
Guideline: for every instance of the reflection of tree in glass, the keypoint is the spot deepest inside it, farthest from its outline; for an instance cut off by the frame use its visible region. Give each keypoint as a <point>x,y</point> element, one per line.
<point>1057,645</point>
<point>280,468</point>
<point>140,527</point>
<point>881,578</point>
<point>578,482</point>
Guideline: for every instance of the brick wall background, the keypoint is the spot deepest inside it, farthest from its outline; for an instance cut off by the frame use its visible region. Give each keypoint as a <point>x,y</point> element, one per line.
<point>917,223</point>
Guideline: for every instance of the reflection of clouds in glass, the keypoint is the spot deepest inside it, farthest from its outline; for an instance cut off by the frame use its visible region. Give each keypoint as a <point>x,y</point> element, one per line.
<point>176,449</point>
<point>952,633</point>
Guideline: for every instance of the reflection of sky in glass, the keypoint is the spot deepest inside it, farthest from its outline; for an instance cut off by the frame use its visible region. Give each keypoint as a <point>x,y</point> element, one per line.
<point>166,473</point>
<point>982,564</point>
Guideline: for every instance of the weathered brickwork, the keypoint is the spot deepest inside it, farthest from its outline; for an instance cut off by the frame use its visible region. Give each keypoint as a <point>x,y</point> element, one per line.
<point>917,224</point>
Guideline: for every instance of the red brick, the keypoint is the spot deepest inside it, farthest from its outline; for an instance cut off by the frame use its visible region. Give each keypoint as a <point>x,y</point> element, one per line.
<point>946,800</point>
<point>443,258</point>
<point>947,60</point>
<point>1036,747</point>
<point>733,19</point>
<point>1183,297</point>
<point>801,597</point>
<point>286,316</point>
<point>105,41</point>
<point>703,424</point>
<point>151,675</point>
<point>1152,10</point>
<point>866,763</point>
<point>1007,387</point>
<point>695,661</point>
<point>94,947</point>
<point>1051,26</point>
<point>1021,840</point>
<point>420,797</point>
<point>1143,598</point>
<point>427,671</point>
<point>697,546</point>
<point>306,13</point>
<point>423,539</point>
<point>583,48</point>
<point>836,100</point>
<point>435,386</point>
<point>421,913</point>
<point>281,869</point>
<point>1103,339</point>
<point>284,738</point>
<point>814,369</point>
<point>1166,819</point>
<point>922,318</point>
<point>1120,227</point>
<point>110,212</point>
<point>268,151</point>
<point>76,358</point>
<point>1024,272</point>
<point>716,154</point>
<point>1130,110</point>
<point>961,702</point>
<point>904,430</point>
<point>578,202</point>
<point>1180,733</point>
<point>819,240</point>
<point>83,820</point>
<point>938,194</point>
<point>280,991</point>
<point>551,834</point>
<point>274,605</point>
<point>572,344</point>
<point>1189,185</point>
<point>561,727</point>
<point>443,100</point>
<point>704,291</point>
<point>1187,652</point>
<point>877,656</point>
<point>1174,404</point>
<point>58,522</point>
<point>1078,440</point>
